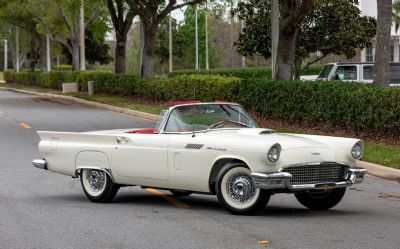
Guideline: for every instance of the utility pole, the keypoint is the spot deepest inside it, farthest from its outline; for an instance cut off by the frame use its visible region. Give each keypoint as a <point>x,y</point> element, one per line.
<point>17,49</point>
<point>48,64</point>
<point>170,43</point>
<point>197,39</point>
<point>82,65</point>
<point>5,55</point>
<point>274,36</point>
<point>206,45</point>
<point>141,49</point>
<point>243,61</point>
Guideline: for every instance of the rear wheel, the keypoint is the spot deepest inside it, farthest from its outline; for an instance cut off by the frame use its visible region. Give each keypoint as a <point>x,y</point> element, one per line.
<point>321,199</point>
<point>98,185</point>
<point>236,191</point>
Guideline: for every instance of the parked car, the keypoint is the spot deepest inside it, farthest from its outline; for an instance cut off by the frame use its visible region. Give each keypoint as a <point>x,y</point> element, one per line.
<point>210,148</point>
<point>358,72</point>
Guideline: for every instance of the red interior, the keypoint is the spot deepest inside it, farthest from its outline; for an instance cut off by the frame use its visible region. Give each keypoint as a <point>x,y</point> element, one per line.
<point>144,131</point>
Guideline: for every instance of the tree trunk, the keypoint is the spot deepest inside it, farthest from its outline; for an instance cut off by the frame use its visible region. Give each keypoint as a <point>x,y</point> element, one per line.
<point>382,54</point>
<point>120,55</point>
<point>285,55</point>
<point>297,68</point>
<point>43,53</point>
<point>148,53</point>
<point>32,56</point>
<point>75,56</point>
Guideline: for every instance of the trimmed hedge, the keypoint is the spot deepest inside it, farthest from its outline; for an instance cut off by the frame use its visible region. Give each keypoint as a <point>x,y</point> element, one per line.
<point>353,106</point>
<point>250,72</point>
<point>62,67</point>
<point>53,79</point>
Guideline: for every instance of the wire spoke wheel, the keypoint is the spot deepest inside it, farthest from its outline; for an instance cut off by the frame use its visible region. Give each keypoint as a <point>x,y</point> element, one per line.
<point>98,186</point>
<point>236,191</point>
<point>240,188</point>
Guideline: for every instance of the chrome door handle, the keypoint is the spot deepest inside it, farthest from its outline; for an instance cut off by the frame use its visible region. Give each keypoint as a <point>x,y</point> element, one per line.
<point>122,140</point>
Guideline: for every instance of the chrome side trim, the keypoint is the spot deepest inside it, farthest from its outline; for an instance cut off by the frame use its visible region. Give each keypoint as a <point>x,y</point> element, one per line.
<point>40,163</point>
<point>107,171</point>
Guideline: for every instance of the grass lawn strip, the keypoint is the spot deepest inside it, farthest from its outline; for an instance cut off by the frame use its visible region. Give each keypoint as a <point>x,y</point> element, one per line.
<point>387,155</point>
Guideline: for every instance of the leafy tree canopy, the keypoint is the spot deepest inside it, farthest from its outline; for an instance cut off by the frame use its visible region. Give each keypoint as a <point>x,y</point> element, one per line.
<point>333,27</point>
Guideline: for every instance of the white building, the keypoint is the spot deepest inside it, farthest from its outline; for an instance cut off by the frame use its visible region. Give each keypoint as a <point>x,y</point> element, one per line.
<point>368,8</point>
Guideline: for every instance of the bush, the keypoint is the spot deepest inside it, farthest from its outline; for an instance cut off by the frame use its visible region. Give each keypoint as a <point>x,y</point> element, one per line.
<point>106,82</point>
<point>187,87</point>
<point>62,67</point>
<point>251,72</point>
<point>52,79</point>
<point>313,70</point>
<point>353,106</point>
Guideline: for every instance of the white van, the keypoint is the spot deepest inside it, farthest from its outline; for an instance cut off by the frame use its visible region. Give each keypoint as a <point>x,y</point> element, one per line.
<point>357,71</point>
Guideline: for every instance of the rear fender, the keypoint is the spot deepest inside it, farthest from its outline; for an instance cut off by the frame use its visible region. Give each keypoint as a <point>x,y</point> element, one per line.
<point>93,160</point>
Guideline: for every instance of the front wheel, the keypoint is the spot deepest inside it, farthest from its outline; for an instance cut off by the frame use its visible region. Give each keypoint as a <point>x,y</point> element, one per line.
<point>322,200</point>
<point>98,185</point>
<point>236,191</point>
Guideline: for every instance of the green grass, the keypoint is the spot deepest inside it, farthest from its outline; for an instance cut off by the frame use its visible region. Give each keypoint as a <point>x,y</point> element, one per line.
<point>1,76</point>
<point>382,154</point>
<point>120,102</point>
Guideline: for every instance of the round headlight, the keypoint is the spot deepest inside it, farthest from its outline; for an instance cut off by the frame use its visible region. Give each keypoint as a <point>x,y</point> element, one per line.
<point>273,154</point>
<point>357,150</point>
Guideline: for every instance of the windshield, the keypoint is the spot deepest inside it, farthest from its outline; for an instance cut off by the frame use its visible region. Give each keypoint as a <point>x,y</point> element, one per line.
<point>213,116</point>
<point>324,74</point>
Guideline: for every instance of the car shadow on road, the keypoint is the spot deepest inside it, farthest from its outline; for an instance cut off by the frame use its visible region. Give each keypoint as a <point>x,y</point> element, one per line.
<point>204,203</point>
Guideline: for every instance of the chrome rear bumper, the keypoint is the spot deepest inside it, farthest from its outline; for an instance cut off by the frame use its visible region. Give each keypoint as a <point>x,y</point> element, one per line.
<point>281,180</point>
<point>40,163</point>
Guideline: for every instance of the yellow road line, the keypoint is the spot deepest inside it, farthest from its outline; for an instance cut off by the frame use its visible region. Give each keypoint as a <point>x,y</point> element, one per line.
<point>169,198</point>
<point>25,126</point>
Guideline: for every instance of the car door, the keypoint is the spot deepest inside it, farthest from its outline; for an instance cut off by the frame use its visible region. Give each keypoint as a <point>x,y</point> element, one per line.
<point>190,160</point>
<point>141,156</point>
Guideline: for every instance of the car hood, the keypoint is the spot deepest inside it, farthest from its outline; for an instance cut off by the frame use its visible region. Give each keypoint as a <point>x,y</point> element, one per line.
<point>287,141</point>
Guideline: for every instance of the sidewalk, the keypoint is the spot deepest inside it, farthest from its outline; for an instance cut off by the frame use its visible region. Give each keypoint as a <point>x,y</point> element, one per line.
<point>373,169</point>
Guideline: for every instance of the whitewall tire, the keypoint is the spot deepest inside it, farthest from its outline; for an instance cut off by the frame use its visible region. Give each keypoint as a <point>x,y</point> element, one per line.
<point>98,185</point>
<point>236,191</point>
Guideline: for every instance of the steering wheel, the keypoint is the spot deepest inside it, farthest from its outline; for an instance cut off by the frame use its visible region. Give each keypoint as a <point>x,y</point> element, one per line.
<point>216,124</point>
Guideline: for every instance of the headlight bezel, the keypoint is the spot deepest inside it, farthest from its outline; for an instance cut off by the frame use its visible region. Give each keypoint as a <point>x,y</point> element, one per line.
<point>357,150</point>
<point>274,153</point>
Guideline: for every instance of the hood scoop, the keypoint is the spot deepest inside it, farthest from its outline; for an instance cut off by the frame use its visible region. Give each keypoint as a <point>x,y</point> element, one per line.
<point>267,132</point>
<point>256,131</point>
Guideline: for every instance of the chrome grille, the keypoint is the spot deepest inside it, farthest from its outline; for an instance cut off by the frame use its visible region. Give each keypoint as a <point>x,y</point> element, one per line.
<point>318,173</point>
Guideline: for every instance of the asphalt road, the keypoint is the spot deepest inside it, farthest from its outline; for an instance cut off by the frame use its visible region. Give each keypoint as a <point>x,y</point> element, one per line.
<point>41,209</point>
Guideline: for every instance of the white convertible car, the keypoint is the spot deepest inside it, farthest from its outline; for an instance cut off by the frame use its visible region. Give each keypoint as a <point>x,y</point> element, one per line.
<point>211,148</point>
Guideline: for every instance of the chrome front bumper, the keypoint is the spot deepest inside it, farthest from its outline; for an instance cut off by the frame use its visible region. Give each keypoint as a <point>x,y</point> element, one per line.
<point>281,181</point>
<point>40,163</point>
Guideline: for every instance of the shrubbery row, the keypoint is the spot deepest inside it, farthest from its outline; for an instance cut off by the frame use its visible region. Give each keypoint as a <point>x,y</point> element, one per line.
<point>354,106</point>
<point>249,72</point>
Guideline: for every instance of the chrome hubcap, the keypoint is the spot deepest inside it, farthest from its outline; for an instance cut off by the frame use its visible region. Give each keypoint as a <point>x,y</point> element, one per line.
<point>240,188</point>
<point>96,179</point>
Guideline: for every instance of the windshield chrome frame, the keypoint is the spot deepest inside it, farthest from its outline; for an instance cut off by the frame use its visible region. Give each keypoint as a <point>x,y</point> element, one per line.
<point>169,111</point>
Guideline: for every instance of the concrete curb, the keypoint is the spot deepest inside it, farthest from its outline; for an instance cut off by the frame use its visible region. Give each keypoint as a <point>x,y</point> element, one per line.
<point>137,114</point>
<point>373,169</point>
<point>381,171</point>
